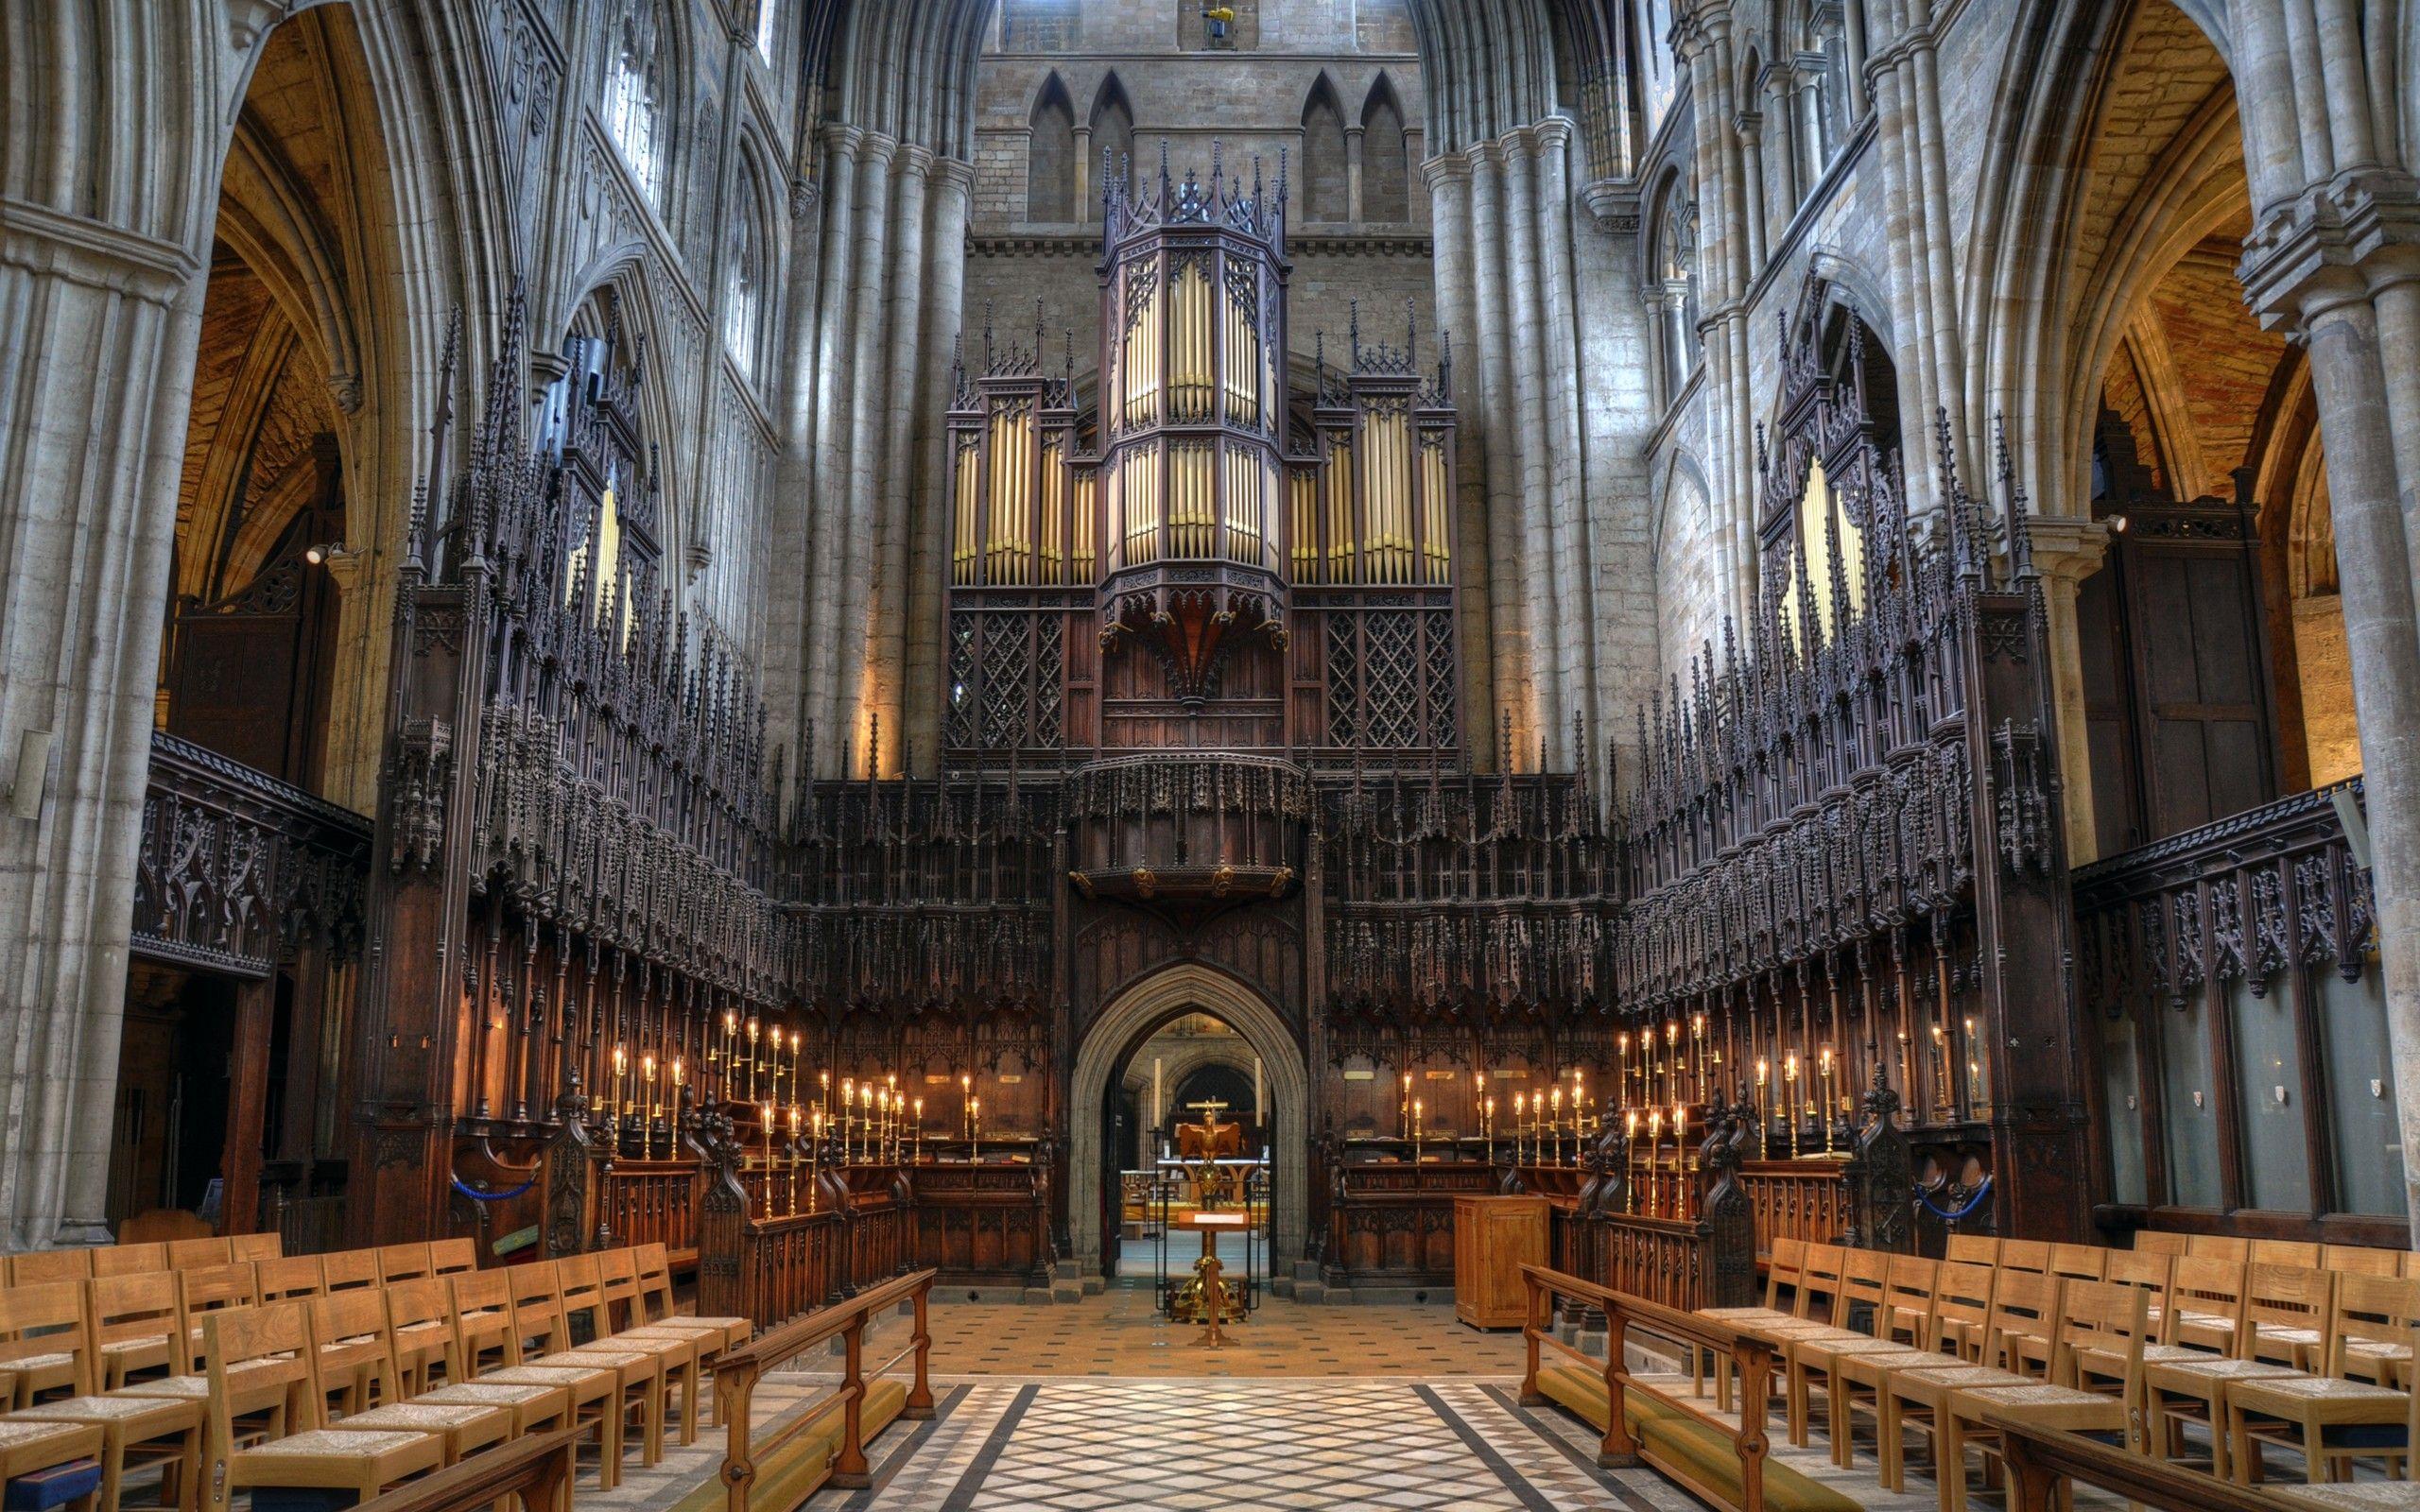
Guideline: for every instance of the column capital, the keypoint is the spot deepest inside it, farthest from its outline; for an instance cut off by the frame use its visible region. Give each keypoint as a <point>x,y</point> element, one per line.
<point>2334,242</point>
<point>93,252</point>
<point>2067,548</point>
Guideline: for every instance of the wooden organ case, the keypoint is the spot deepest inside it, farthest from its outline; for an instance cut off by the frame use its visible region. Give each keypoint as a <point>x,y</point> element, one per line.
<point>1210,560</point>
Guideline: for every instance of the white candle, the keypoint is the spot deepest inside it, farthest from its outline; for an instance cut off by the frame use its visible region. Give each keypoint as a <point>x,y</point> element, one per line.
<point>1255,1089</point>
<point>1155,1091</point>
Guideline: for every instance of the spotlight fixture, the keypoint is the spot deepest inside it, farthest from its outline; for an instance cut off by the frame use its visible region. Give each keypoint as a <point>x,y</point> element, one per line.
<point>321,553</point>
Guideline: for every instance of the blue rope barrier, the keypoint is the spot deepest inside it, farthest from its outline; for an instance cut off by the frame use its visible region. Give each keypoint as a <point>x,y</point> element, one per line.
<point>1973,1203</point>
<point>490,1196</point>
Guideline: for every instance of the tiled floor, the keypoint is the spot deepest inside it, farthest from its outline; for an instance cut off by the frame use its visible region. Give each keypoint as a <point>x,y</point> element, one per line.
<point>1119,1333</point>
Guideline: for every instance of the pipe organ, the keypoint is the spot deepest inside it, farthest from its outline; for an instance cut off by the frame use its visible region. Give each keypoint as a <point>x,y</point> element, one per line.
<point>1214,556</point>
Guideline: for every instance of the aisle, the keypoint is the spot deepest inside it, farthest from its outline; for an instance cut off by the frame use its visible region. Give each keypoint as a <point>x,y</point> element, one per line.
<point>1090,1445</point>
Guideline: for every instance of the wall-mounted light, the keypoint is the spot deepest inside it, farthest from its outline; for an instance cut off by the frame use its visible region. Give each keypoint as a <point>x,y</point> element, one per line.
<point>2117,524</point>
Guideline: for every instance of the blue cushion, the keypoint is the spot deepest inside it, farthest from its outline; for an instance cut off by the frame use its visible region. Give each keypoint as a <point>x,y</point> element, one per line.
<point>55,1487</point>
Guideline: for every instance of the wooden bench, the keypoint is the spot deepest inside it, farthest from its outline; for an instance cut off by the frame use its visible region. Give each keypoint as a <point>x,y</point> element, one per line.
<point>1719,1461</point>
<point>780,1468</point>
<point>2041,1462</point>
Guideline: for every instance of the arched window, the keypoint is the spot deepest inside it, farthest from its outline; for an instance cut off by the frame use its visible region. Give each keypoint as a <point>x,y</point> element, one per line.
<point>1674,290</point>
<point>636,101</point>
<point>767,14</point>
<point>1326,184</point>
<point>745,277</point>
<point>1112,127</point>
<point>1819,87</point>
<point>1386,164</point>
<point>1050,162</point>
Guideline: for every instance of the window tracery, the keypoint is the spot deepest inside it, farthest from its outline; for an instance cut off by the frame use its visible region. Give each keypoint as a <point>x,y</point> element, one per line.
<point>636,104</point>
<point>744,278</point>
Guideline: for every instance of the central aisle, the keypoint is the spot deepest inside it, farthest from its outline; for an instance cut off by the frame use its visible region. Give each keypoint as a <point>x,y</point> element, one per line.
<point>1238,1445</point>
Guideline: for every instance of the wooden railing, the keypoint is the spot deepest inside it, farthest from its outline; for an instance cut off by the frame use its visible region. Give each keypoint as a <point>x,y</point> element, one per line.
<point>1749,1355</point>
<point>2039,1459</point>
<point>786,1266</point>
<point>1796,1200</point>
<point>983,1223</point>
<point>773,1455</point>
<point>1663,1261</point>
<point>535,1471</point>
<point>1392,1224</point>
<point>654,1202</point>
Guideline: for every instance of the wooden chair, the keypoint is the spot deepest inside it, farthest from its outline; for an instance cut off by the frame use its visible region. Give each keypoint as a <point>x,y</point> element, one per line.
<point>403,1263</point>
<point>205,1289</point>
<point>348,1268</point>
<point>2289,1252</point>
<point>1972,1249</point>
<point>2204,1306</point>
<point>1904,1318</point>
<point>2089,1309</point>
<point>2079,1262</point>
<point>129,1260</point>
<point>639,1363</point>
<point>1809,1357</point>
<point>184,1254</point>
<point>295,1451</point>
<point>2371,1331</point>
<point>2149,1270</point>
<point>293,1279</point>
<point>655,1286</point>
<point>30,1450</point>
<point>420,1320</point>
<point>2332,1416</point>
<point>1962,1308</point>
<point>2103,1339</point>
<point>256,1247</point>
<point>2159,1241</point>
<point>351,1328</point>
<point>2361,1259</point>
<point>145,1430</point>
<point>2218,1246</point>
<point>2286,1312</point>
<point>2024,1254</point>
<point>2024,1306</point>
<point>484,1340</point>
<point>482,1319</point>
<point>137,1326</point>
<point>681,1352</point>
<point>357,1361</point>
<point>38,1266</point>
<point>595,1388</point>
<point>446,1256</point>
<point>46,1341</point>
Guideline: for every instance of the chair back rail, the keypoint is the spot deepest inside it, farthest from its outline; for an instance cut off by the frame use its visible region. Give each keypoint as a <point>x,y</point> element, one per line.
<point>738,1372</point>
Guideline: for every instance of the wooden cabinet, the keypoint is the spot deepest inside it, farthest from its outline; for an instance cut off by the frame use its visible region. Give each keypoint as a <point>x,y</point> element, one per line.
<point>1494,1237</point>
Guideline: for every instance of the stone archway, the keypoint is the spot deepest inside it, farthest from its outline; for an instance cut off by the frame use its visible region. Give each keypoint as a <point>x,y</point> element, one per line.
<point>1129,1019</point>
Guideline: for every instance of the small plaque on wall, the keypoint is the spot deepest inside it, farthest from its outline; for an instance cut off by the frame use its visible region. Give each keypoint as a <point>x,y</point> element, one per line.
<point>1360,1076</point>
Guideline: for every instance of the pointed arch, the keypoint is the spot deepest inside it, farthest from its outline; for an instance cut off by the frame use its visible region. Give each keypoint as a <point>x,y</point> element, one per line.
<point>1386,156</point>
<point>1050,155</point>
<point>1326,181</point>
<point>1113,124</point>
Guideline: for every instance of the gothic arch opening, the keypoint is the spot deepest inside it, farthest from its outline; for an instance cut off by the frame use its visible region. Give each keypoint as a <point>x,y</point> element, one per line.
<point>1109,1046</point>
<point>1050,161</point>
<point>1386,157</point>
<point>1327,175</point>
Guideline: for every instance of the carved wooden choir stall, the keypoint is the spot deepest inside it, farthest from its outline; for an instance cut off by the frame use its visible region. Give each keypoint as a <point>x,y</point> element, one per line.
<point>629,974</point>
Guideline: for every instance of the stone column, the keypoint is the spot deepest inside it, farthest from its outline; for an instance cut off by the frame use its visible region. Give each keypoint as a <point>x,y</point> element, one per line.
<point>951,202</point>
<point>94,382</point>
<point>1084,175</point>
<point>868,373</point>
<point>1449,194</point>
<point>843,256</point>
<point>1353,135</point>
<point>1751,126</point>
<point>2068,550</point>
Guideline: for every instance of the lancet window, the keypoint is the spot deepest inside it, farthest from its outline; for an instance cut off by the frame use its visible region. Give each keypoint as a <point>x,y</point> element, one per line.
<point>636,104</point>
